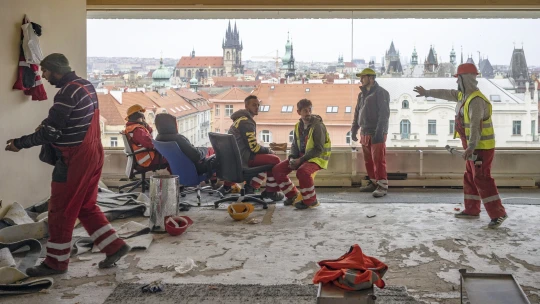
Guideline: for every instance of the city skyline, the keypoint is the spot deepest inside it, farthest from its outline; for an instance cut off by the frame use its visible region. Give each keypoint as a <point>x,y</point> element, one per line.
<point>318,40</point>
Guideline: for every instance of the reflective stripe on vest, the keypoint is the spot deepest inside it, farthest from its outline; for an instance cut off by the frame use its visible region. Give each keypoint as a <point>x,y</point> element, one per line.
<point>487,136</point>
<point>144,159</point>
<point>321,160</point>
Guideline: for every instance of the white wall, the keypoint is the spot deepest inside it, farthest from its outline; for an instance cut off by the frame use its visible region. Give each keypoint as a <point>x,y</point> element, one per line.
<point>24,178</point>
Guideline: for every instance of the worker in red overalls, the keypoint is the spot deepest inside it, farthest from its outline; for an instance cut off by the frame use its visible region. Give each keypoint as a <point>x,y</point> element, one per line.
<point>474,127</point>
<point>72,127</point>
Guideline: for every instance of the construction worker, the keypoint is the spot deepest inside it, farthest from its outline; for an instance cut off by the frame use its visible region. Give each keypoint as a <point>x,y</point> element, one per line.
<point>244,130</point>
<point>72,127</point>
<point>473,125</point>
<point>371,116</point>
<point>139,135</point>
<point>310,152</point>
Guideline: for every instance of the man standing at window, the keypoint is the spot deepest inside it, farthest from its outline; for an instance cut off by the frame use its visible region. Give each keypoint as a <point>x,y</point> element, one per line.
<point>244,130</point>
<point>475,129</point>
<point>371,116</point>
<point>310,152</point>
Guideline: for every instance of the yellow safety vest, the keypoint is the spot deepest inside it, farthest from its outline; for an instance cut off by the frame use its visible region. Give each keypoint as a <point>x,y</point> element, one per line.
<point>322,160</point>
<point>487,137</point>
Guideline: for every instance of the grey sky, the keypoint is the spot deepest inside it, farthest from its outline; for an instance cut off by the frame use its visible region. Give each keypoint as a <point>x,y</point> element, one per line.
<point>317,39</point>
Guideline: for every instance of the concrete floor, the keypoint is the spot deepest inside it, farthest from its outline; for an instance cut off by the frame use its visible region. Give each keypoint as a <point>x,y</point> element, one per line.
<point>413,231</point>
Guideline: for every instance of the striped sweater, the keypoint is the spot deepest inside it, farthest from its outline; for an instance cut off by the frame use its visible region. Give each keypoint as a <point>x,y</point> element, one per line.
<point>69,117</point>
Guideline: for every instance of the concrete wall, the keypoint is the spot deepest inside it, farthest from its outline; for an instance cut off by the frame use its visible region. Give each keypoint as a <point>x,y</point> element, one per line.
<point>24,178</point>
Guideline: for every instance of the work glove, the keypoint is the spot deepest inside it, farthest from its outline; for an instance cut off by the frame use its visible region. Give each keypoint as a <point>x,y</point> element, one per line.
<point>378,138</point>
<point>354,135</point>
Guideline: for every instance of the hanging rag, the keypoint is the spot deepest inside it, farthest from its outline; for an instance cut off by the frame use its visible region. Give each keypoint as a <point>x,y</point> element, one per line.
<point>28,78</point>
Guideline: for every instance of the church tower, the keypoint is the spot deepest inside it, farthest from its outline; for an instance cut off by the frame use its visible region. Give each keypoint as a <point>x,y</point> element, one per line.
<point>232,51</point>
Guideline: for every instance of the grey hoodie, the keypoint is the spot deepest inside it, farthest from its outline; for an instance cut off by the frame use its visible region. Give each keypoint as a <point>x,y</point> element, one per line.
<point>478,108</point>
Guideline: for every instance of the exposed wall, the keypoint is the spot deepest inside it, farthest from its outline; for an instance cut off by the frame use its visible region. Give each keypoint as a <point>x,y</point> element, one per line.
<point>24,178</point>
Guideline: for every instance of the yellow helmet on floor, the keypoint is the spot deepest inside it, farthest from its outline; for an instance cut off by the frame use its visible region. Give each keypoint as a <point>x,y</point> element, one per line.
<point>240,211</point>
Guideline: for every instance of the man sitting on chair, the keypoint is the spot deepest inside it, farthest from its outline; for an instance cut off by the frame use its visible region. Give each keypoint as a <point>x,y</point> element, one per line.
<point>139,135</point>
<point>202,157</point>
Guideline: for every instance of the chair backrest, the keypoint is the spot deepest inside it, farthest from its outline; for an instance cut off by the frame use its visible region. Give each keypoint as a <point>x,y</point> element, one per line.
<point>228,157</point>
<point>180,164</point>
<point>130,166</point>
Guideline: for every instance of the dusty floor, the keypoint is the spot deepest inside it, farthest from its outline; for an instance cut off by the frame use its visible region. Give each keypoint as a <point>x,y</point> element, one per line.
<point>413,231</point>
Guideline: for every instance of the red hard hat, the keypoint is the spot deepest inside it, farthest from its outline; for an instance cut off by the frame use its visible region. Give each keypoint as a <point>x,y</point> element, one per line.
<point>466,68</point>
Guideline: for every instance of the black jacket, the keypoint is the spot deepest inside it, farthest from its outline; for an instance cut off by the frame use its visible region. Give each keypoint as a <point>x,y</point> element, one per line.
<point>244,130</point>
<point>167,132</point>
<point>372,112</point>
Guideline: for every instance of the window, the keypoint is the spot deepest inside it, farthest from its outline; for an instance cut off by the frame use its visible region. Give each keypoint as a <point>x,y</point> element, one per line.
<point>228,110</point>
<point>272,87</point>
<point>405,129</point>
<point>348,138</point>
<point>495,98</point>
<point>226,131</point>
<point>291,136</point>
<point>264,108</point>
<point>405,104</point>
<point>114,141</point>
<point>347,109</point>
<point>217,130</point>
<point>452,126</point>
<point>516,127</point>
<point>217,110</point>
<point>286,109</point>
<point>265,136</point>
<point>331,109</point>
<point>307,90</point>
<point>432,127</point>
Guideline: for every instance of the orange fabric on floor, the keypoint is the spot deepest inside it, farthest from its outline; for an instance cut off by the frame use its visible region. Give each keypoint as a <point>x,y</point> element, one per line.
<point>352,271</point>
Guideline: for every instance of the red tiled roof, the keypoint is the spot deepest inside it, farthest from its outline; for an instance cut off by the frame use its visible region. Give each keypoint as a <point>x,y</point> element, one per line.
<point>235,83</point>
<point>132,98</point>
<point>232,94</point>
<point>205,95</point>
<point>200,61</point>
<point>195,99</point>
<point>172,102</point>
<point>108,108</point>
<point>350,65</point>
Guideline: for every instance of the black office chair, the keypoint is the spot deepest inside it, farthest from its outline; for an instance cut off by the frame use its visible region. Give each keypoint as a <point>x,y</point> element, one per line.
<point>133,169</point>
<point>230,168</point>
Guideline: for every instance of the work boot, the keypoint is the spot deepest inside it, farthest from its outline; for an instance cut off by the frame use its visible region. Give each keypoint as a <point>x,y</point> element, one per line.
<point>224,190</point>
<point>496,222</point>
<point>300,205</point>
<point>464,215</point>
<point>370,187</point>
<point>111,260</point>
<point>380,192</point>
<point>274,196</point>
<point>290,201</point>
<point>42,270</point>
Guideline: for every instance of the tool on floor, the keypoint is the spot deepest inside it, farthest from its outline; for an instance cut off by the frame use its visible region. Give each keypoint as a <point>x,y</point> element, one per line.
<point>454,151</point>
<point>493,288</point>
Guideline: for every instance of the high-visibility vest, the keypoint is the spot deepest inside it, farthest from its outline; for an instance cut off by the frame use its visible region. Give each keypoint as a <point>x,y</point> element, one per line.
<point>144,159</point>
<point>487,136</point>
<point>322,160</point>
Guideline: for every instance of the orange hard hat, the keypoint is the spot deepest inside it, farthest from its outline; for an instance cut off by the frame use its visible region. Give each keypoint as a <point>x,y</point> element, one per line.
<point>134,109</point>
<point>466,68</point>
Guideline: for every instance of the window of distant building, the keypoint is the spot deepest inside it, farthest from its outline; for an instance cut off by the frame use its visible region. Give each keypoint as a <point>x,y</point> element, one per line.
<point>264,108</point>
<point>331,109</point>
<point>348,138</point>
<point>516,127</point>
<point>405,104</point>
<point>217,130</point>
<point>217,110</point>
<point>266,136</point>
<point>228,110</point>
<point>405,129</point>
<point>495,98</point>
<point>291,136</point>
<point>114,141</point>
<point>432,127</point>
<point>452,126</point>
<point>286,109</point>
<point>348,109</point>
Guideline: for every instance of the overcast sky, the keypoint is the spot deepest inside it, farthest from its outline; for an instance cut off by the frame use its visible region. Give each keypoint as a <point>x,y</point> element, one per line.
<point>317,39</point>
